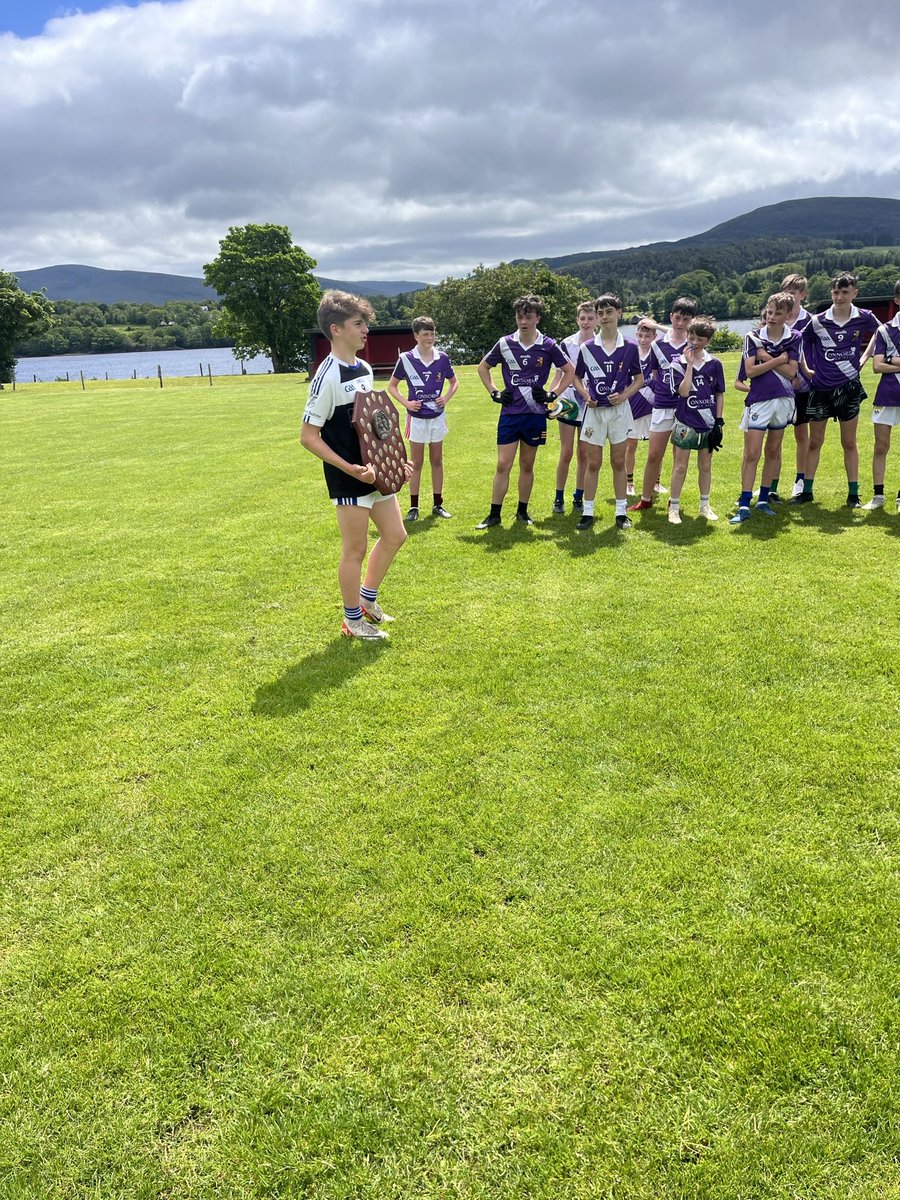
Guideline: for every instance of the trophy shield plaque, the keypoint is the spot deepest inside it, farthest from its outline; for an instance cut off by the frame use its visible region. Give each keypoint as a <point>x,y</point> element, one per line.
<point>380,441</point>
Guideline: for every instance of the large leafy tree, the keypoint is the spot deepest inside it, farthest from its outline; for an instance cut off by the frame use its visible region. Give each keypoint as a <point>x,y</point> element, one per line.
<point>22,315</point>
<point>269,294</point>
<point>472,313</point>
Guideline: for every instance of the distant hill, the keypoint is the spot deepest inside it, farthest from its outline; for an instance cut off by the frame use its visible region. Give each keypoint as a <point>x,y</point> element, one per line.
<point>863,220</point>
<point>94,284</point>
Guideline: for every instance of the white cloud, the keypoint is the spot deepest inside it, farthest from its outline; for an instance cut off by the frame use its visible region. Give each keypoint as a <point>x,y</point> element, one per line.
<point>402,139</point>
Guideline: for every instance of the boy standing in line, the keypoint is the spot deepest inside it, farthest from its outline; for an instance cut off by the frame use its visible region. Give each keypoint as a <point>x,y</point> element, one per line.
<point>525,359</point>
<point>425,371</point>
<point>664,399</point>
<point>770,363</point>
<point>698,386</point>
<point>570,427</point>
<point>886,413</point>
<point>833,345</point>
<point>328,434</point>
<point>607,375</point>
<point>795,286</point>
<point>641,403</point>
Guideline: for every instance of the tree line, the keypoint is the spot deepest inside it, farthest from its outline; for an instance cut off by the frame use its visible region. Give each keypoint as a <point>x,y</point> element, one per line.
<point>269,297</point>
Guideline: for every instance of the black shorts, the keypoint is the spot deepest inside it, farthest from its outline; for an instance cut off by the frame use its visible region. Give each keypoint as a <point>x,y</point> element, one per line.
<point>841,403</point>
<point>801,415</point>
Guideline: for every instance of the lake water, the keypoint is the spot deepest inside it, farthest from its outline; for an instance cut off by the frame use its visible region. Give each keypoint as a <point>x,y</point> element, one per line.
<point>138,364</point>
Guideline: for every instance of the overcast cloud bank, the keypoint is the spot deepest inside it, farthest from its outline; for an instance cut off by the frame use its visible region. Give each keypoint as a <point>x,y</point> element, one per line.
<point>415,140</point>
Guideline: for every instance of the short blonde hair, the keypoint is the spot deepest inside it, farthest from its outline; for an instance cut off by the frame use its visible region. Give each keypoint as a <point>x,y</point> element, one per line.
<point>337,307</point>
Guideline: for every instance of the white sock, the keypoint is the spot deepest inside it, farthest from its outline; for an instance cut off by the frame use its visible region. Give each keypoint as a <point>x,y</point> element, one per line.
<point>588,508</point>
<point>621,505</point>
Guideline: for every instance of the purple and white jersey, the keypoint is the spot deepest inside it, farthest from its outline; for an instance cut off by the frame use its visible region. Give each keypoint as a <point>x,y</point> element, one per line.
<point>698,409</point>
<point>800,322</point>
<point>664,352</point>
<point>770,385</point>
<point>570,347</point>
<point>833,351</point>
<point>887,342</point>
<point>424,380</point>
<point>641,402</point>
<point>525,367</point>
<point>605,373</point>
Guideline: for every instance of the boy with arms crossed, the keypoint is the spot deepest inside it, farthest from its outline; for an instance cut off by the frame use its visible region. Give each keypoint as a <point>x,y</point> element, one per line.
<point>425,371</point>
<point>663,416</point>
<point>525,359</point>
<point>328,433</point>
<point>886,413</point>
<point>698,386</point>
<point>833,345</point>
<point>607,375</point>
<point>770,363</point>
<point>587,322</point>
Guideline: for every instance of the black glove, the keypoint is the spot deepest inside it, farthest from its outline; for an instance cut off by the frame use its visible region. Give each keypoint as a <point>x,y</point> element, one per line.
<point>504,397</point>
<point>715,435</point>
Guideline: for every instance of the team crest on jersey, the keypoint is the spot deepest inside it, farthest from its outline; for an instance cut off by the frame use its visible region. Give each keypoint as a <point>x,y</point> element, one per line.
<point>540,360</point>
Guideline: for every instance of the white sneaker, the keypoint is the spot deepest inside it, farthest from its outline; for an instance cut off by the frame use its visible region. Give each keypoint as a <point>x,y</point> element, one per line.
<point>706,511</point>
<point>362,629</point>
<point>797,489</point>
<point>629,489</point>
<point>674,515</point>
<point>659,490</point>
<point>875,502</point>
<point>374,612</point>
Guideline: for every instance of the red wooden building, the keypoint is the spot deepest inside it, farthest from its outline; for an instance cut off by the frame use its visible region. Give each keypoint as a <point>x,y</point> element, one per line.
<point>383,346</point>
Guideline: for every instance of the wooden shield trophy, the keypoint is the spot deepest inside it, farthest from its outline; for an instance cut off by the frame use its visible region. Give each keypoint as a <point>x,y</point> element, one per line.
<point>380,441</point>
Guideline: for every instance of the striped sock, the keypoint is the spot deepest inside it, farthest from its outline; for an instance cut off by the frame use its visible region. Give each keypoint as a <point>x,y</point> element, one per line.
<point>370,595</point>
<point>352,614</point>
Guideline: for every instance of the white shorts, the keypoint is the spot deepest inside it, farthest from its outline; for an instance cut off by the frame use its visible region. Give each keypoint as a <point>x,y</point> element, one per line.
<point>768,414</point>
<point>640,427</point>
<point>369,500</point>
<point>426,429</point>
<point>606,424</point>
<point>889,415</point>
<point>662,420</point>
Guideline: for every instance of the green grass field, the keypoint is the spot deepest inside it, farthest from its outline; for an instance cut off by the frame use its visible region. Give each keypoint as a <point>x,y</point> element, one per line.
<point>584,885</point>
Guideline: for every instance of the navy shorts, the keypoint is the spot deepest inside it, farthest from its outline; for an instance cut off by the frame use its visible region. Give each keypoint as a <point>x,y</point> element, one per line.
<point>530,428</point>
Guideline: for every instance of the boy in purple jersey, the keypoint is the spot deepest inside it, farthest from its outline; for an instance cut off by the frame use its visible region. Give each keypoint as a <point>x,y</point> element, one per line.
<point>328,433</point>
<point>568,428</point>
<point>663,416</point>
<point>886,412</point>
<point>796,285</point>
<point>698,387</point>
<point>833,345</point>
<point>607,375</point>
<point>525,359</point>
<point>770,363</point>
<point>425,371</point>
<point>641,403</point>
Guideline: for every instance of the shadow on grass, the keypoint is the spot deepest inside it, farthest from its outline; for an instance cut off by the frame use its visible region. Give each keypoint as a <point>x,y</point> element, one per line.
<point>692,529</point>
<point>825,520</point>
<point>330,668</point>
<point>501,538</point>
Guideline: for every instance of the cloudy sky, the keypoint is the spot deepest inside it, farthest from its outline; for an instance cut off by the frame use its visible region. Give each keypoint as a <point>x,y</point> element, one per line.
<point>412,139</point>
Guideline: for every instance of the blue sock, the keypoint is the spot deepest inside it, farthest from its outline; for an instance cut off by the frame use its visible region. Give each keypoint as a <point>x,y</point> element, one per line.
<point>352,614</point>
<point>578,494</point>
<point>369,594</point>
<point>744,501</point>
<point>559,495</point>
<point>763,496</point>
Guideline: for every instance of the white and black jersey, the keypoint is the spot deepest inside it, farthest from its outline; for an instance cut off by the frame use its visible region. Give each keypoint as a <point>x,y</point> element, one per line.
<point>330,407</point>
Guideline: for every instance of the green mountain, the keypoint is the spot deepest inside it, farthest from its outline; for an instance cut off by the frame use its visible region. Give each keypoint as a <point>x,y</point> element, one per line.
<point>808,235</point>
<point>95,285</point>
